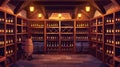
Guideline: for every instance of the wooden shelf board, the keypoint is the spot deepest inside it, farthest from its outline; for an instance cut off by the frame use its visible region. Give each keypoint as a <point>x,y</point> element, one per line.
<point>36,33</point>
<point>10,44</point>
<point>81,27</point>
<point>52,27</point>
<point>67,27</point>
<point>109,44</point>
<point>9,34</point>
<point>10,23</point>
<point>82,33</point>
<point>2,58</point>
<point>117,58</point>
<point>52,33</point>
<point>109,23</point>
<point>37,27</point>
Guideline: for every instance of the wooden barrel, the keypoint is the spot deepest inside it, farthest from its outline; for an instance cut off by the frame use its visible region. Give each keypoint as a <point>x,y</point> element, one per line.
<point>28,47</point>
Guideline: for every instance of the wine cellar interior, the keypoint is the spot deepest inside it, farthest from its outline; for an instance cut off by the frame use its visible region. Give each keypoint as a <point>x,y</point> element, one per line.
<point>60,28</point>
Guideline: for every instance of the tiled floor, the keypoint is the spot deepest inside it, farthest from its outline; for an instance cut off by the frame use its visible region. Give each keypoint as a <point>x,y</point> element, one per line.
<point>83,60</point>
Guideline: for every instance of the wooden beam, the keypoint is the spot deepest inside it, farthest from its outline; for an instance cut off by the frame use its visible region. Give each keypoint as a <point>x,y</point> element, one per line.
<point>21,5</point>
<point>76,12</point>
<point>85,13</point>
<point>100,8</point>
<point>117,1</point>
<point>4,2</point>
<point>43,11</point>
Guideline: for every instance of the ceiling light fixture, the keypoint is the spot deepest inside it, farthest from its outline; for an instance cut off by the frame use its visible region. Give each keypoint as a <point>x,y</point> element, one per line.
<point>39,15</point>
<point>79,15</point>
<point>59,15</point>
<point>31,8</point>
<point>87,8</point>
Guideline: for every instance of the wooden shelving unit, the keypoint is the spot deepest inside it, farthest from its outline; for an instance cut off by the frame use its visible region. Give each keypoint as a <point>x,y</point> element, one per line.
<point>11,28</point>
<point>52,36</point>
<point>38,32</point>
<point>105,38</point>
<point>82,35</point>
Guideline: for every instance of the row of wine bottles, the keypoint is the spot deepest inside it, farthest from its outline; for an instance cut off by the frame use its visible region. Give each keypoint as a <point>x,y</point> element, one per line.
<point>99,38</point>
<point>1,30</point>
<point>67,37</point>
<point>37,38</point>
<point>52,44</point>
<point>62,49</point>
<point>99,22</point>
<point>93,38</point>
<point>117,19</point>
<point>82,25</point>
<point>10,31</point>
<point>52,25</point>
<point>10,20</point>
<point>2,19</point>
<point>1,41</point>
<point>19,39</point>
<point>108,30</point>
<point>10,40</point>
<point>109,51</point>
<point>109,20</point>
<point>109,40</point>
<point>100,48</point>
<point>82,37</point>
<point>67,44</point>
<point>9,51</point>
<point>117,42</point>
<point>37,25</point>
<point>94,31</point>
<point>52,37</point>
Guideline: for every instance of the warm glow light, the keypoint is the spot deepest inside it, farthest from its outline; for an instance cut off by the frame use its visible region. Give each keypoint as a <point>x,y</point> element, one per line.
<point>87,8</point>
<point>39,15</point>
<point>31,8</point>
<point>79,15</point>
<point>59,15</point>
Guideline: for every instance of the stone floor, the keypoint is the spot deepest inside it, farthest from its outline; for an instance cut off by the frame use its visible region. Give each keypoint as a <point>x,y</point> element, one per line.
<point>44,60</point>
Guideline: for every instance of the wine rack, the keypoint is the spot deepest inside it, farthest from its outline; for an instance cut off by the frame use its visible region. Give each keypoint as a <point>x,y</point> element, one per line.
<point>9,29</point>
<point>52,37</point>
<point>82,30</point>
<point>99,38</point>
<point>53,24</point>
<point>37,37</point>
<point>82,24</point>
<point>109,19</point>
<point>2,28</point>
<point>10,51</point>
<point>12,31</point>
<point>2,41</point>
<point>37,30</point>
<point>82,38</point>
<point>19,38</point>
<point>10,40</point>
<point>67,37</point>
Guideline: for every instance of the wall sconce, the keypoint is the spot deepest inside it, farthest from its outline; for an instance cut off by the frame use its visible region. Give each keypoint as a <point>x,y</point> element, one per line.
<point>39,15</point>
<point>31,8</point>
<point>87,8</point>
<point>79,15</point>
